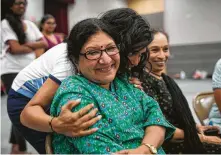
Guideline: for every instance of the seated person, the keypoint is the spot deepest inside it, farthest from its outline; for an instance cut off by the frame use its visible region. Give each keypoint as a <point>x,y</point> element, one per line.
<point>215,112</point>
<point>131,120</point>
<point>173,103</point>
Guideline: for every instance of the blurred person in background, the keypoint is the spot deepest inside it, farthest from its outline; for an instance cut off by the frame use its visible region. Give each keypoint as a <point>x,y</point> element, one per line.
<point>47,27</point>
<point>174,104</point>
<point>22,42</point>
<point>215,112</point>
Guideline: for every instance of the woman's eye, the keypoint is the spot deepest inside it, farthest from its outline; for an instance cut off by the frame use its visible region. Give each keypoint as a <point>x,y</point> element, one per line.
<point>110,49</point>
<point>166,49</point>
<point>93,52</point>
<point>154,50</point>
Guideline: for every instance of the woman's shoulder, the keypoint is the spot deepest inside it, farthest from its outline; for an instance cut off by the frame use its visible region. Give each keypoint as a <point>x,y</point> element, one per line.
<point>74,83</point>
<point>77,79</point>
<point>4,23</point>
<point>218,65</point>
<point>30,23</point>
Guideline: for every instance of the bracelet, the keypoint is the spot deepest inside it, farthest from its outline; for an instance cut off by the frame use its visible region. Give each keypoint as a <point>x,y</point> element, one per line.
<point>50,124</point>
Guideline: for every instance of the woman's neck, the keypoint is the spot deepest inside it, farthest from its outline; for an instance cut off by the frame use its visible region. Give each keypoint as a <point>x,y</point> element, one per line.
<point>106,86</point>
<point>47,33</point>
<point>155,74</point>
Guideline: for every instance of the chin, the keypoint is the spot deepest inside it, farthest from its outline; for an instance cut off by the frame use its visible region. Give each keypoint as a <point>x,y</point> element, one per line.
<point>105,80</point>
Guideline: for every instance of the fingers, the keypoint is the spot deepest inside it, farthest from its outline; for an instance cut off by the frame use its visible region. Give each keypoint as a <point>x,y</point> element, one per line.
<point>71,104</point>
<point>89,115</point>
<point>138,86</point>
<point>135,81</point>
<point>122,152</point>
<point>85,110</point>
<point>90,122</point>
<point>214,127</point>
<point>86,132</point>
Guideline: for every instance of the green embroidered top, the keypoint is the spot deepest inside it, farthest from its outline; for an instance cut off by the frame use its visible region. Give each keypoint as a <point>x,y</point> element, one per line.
<point>126,112</point>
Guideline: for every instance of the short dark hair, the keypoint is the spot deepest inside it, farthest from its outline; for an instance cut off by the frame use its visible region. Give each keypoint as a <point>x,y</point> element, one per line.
<point>133,34</point>
<point>44,19</point>
<point>81,32</point>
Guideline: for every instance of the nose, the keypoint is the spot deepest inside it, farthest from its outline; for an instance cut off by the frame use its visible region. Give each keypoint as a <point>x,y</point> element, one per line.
<point>161,54</point>
<point>105,58</point>
<point>134,60</point>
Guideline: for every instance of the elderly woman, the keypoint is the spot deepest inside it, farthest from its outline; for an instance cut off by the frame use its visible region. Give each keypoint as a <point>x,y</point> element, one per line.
<point>130,119</point>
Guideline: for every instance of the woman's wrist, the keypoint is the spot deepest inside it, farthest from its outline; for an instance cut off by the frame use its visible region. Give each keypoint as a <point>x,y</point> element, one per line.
<point>52,124</point>
<point>144,149</point>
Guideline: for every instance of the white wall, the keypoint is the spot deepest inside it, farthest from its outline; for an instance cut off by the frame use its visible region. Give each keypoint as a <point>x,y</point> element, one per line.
<point>35,10</point>
<point>193,21</point>
<point>83,9</point>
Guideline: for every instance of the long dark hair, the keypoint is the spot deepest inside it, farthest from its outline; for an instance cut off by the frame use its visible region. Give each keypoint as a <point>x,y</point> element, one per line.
<point>15,21</point>
<point>133,33</point>
<point>192,143</point>
<point>80,33</point>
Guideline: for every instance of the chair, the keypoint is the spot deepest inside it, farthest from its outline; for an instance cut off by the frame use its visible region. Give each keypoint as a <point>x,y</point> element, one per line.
<point>48,146</point>
<point>202,104</point>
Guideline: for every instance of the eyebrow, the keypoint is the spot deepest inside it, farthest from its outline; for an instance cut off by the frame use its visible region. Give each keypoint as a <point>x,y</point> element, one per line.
<point>98,46</point>
<point>158,46</point>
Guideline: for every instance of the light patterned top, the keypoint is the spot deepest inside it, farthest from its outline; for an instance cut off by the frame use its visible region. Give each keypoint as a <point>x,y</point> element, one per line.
<point>217,75</point>
<point>126,112</point>
<point>215,114</point>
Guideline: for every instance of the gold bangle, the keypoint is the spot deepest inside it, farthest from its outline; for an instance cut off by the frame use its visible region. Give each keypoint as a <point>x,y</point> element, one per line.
<point>151,147</point>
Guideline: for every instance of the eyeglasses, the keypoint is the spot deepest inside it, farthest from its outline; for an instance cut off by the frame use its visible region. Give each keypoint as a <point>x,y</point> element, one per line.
<point>19,3</point>
<point>49,23</point>
<point>96,54</point>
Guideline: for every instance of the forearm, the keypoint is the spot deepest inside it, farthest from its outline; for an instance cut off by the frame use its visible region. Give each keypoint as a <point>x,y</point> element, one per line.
<point>17,48</point>
<point>217,96</point>
<point>154,135</point>
<point>21,50</point>
<point>178,134</point>
<point>39,52</point>
<point>36,45</point>
<point>34,117</point>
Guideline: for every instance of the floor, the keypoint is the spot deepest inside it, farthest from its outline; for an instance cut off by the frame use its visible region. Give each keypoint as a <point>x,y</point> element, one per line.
<point>189,87</point>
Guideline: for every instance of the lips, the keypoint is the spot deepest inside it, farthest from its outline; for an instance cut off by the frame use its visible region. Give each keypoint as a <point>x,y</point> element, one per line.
<point>105,69</point>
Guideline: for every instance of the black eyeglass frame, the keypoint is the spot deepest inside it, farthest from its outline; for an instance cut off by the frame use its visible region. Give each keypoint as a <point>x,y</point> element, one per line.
<point>19,3</point>
<point>104,50</point>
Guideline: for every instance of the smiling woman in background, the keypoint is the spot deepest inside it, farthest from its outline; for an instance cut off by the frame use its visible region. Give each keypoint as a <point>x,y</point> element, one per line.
<point>174,104</point>
<point>47,27</point>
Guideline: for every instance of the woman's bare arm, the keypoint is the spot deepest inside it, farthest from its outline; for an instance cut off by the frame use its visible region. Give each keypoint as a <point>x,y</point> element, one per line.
<point>36,45</point>
<point>217,95</point>
<point>17,48</point>
<point>68,123</point>
<point>154,135</point>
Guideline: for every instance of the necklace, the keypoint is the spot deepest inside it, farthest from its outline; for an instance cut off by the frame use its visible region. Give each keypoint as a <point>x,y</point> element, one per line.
<point>154,74</point>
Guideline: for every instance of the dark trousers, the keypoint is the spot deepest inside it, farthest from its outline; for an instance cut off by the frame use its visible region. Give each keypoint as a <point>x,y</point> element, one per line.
<point>15,135</point>
<point>16,103</point>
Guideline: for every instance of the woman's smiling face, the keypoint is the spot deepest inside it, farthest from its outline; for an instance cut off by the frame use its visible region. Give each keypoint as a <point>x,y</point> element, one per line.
<point>159,53</point>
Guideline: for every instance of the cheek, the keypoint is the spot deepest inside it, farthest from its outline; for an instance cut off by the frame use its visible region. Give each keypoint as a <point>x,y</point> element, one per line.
<point>167,55</point>
<point>151,58</point>
<point>117,58</point>
<point>86,66</point>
